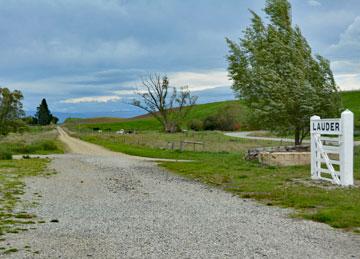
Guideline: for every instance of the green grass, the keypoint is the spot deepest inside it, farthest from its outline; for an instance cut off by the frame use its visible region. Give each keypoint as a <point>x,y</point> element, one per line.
<point>169,144</point>
<point>279,186</point>
<point>351,101</point>
<point>14,217</point>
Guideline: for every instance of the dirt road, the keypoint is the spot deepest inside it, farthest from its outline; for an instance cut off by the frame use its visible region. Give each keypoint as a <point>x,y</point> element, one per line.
<point>110,205</point>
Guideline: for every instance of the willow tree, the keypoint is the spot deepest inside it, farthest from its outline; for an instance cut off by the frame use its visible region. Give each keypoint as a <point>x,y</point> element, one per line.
<point>274,71</point>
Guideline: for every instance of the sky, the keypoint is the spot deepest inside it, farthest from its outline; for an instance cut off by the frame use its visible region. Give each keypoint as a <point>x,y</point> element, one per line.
<point>87,57</point>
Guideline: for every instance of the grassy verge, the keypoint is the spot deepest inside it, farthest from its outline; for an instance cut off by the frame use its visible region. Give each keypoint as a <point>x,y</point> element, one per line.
<point>280,186</point>
<point>169,144</point>
<point>14,217</point>
<point>39,140</point>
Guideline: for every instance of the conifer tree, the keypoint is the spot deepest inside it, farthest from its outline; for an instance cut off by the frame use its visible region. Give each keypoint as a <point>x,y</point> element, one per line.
<point>43,114</point>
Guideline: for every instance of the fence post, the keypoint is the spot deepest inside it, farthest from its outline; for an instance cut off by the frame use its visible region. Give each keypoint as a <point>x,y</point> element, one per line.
<point>314,151</point>
<point>347,148</point>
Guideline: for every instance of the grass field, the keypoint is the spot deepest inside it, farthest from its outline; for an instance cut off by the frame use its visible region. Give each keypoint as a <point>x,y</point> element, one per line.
<point>14,217</point>
<point>351,101</point>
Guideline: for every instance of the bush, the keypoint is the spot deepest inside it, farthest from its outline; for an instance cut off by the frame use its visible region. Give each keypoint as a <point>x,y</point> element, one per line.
<point>5,154</point>
<point>357,132</point>
<point>42,145</point>
<point>47,145</point>
<point>225,119</point>
<point>196,125</point>
<point>211,123</point>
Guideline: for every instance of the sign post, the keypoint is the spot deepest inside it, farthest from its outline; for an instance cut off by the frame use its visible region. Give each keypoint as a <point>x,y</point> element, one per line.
<point>332,148</point>
<point>347,151</point>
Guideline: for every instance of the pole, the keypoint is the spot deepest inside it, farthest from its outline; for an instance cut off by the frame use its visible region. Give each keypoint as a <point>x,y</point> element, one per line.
<point>314,151</point>
<point>347,148</point>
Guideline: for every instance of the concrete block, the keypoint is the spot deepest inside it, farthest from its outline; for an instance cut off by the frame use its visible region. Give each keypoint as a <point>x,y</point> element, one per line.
<point>285,158</point>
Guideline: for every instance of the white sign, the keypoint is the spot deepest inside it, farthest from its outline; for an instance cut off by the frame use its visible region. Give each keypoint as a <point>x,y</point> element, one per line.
<point>332,157</point>
<point>326,126</point>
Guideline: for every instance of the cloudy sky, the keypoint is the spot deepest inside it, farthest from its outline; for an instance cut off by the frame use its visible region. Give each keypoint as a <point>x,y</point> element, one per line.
<point>86,56</point>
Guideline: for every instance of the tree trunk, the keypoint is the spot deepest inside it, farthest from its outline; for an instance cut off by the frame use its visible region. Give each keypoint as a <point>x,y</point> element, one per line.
<point>298,139</point>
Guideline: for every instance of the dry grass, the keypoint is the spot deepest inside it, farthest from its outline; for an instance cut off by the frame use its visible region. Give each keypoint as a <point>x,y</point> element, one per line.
<point>39,140</point>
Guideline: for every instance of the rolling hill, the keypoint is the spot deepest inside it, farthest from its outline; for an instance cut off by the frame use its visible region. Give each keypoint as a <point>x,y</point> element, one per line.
<point>351,101</point>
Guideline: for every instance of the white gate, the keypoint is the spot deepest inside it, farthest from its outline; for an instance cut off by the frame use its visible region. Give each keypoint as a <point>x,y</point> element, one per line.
<point>332,148</point>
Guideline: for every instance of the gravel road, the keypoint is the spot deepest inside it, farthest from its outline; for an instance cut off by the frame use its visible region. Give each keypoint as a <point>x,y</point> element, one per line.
<point>116,206</point>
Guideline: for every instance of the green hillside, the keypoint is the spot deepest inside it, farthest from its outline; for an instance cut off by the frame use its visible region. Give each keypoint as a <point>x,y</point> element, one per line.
<point>351,101</point>
<point>147,122</point>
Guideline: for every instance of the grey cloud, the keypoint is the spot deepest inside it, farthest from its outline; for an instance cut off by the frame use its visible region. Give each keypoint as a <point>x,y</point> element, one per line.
<point>62,49</point>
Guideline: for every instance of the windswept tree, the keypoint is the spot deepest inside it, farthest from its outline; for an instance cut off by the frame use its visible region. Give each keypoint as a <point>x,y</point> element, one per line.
<point>43,115</point>
<point>11,111</point>
<point>167,104</point>
<point>274,71</point>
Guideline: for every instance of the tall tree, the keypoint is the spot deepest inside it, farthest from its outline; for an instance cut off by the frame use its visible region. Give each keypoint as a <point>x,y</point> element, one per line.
<point>274,71</point>
<point>43,114</point>
<point>11,110</point>
<point>168,105</point>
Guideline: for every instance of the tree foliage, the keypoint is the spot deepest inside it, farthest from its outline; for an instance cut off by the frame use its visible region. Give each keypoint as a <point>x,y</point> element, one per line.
<point>11,111</point>
<point>167,104</point>
<point>43,115</point>
<point>273,69</point>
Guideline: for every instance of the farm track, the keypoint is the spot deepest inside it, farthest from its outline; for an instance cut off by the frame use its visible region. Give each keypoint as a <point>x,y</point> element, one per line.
<point>110,205</point>
<point>245,134</point>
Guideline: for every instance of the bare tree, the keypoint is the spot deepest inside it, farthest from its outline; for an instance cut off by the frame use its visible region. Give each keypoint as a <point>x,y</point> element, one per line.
<point>168,105</point>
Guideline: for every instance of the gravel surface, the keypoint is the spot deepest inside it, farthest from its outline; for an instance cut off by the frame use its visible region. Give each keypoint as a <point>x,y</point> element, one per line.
<point>121,207</point>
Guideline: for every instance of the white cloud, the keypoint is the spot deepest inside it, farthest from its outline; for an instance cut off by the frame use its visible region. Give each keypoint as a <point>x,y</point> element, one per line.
<point>196,81</point>
<point>200,80</point>
<point>345,66</point>
<point>314,3</point>
<point>348,81</point>
<point>124,92</point>
<point>93,99</point>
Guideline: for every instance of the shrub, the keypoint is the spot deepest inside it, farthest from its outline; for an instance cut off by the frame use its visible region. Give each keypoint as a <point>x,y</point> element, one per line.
<point>196,125</point>
<point>48,145</point>
<point>211,123</point>
<point>5,154</point>
<point>357,132</point>
<point>42,145</point>
<point>226,119</point>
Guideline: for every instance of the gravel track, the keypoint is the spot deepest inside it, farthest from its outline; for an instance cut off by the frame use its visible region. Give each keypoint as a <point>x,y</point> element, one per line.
<point>245,134</point>
<point>117,206</point>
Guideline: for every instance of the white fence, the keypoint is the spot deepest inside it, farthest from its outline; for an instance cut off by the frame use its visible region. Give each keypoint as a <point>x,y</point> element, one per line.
<point>332,148</point>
